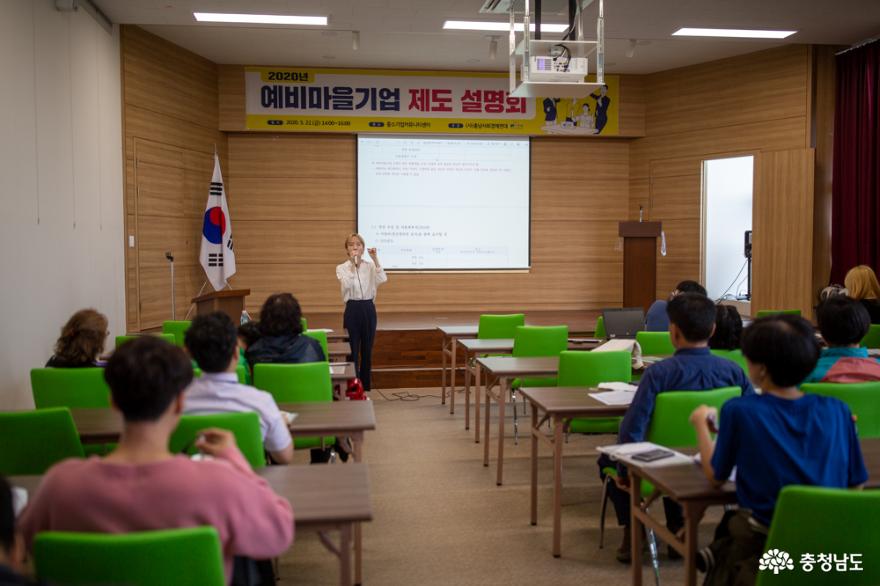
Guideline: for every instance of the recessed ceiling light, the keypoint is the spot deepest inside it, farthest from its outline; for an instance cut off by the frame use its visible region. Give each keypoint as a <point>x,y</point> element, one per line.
<point>483,25</point>
<point>260,18</point>
<point>732,33</point>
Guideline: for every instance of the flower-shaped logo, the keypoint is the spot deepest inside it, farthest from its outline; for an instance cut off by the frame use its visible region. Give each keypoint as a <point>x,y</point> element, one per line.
<point>776,560</point>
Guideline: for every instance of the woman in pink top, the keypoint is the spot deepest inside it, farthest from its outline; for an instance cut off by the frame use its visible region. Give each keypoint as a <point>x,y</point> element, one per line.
<point>141,486</point>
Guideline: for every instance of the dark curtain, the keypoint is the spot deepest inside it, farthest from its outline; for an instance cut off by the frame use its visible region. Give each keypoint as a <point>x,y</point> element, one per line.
<point>855,210</point>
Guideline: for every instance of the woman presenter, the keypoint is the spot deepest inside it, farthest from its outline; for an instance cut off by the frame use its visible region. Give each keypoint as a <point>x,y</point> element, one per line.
<point>359,278</point>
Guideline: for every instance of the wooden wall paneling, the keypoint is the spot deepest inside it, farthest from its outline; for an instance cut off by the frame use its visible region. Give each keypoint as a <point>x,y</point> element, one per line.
<point>230,87</point>
<point>290,241</point>
<point>577,242</point>
<point>286,198</point>
<point>633,100</point>
<point>639,195</point>
<point>146,124</point>
<point>155,293</point>
<point>269,155</point>
<point>763,86</point>
<point>782,241</point>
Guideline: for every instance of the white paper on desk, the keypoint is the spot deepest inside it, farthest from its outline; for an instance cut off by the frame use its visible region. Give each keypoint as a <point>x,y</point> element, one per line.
<point>618,386</point>
<point>289,417</point>
<point>585,340</point>
<point>19,500</point>
<point>337,369</point>
<point>614,397</point>
<point>624,453</point>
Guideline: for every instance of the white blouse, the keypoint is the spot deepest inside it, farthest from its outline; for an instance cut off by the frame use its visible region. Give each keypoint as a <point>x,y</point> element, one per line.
<point>361,283</point>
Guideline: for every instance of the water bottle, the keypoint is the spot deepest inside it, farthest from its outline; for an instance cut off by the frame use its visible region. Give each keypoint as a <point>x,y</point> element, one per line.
<point>245,317</point>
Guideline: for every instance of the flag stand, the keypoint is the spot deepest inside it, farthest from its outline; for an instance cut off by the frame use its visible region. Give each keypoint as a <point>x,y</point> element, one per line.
<point>192,305</point>
<point>170,258</point>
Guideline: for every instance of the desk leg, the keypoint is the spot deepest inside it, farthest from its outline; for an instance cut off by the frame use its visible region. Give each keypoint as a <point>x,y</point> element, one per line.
<point>502,409</point>
<point>692,514</point>
<point>557,486</point>
<point>477,369</point>
<point>443,370</point>
<point>635,526</point>
<point>452,372</point>
<point>357,453</point>
<point>486,423</point>
<point>467,384</point>
<point>467,392</point>
<point>534,495</point>
<point>345,555</point>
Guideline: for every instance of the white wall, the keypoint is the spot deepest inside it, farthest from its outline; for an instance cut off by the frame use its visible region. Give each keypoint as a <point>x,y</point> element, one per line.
<point>728,184</point>
<point>61,206</point>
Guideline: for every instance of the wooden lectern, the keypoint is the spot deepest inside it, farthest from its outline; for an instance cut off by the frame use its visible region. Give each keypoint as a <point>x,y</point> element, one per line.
<point>639,263</point>
<point>229,301</point>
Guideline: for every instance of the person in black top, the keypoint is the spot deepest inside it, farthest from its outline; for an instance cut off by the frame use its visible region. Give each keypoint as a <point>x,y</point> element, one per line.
<point>861,284</point>
<point>81,341</point>
<point>728,328</point>
<point>281,340</point>
<point>11,545</point>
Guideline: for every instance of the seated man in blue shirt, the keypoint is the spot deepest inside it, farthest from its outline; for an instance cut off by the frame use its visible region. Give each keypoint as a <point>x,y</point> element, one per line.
<point>656,319</point>
<point>691,368</point>
<point>780,437</point>
<point>843,323</point>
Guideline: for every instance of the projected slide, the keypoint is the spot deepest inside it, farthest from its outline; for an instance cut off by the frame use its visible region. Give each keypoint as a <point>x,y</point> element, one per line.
<point>445,203</point>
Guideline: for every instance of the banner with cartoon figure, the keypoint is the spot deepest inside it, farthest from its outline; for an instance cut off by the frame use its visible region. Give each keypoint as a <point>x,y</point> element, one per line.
<point>283,99</point>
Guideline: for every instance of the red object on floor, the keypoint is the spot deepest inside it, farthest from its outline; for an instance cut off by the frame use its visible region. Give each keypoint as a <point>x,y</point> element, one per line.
<point>355,390</point>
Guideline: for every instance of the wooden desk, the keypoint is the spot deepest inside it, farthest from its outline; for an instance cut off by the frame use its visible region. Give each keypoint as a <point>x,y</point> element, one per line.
<point>474,347</point>
<point>338,351</point>
<point>688,486</point>
<point>559,404</point>
<point>448,346</point>
<point>324,498</point>
<point>505,369</point>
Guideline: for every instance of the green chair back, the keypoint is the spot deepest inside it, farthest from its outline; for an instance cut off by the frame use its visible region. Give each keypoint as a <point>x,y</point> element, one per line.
<point>304,323</point>
<point>308,382</point>
<point>69,387</point>
<point>655,343</point>
<point>588,369</point>
<point>120,340</point>
<point>321,337</point>
<point>176,328</point>
<point>184,557</point>
<point>766,312</point>
<point>814,520</point>
<point>600,328</point>
<point>243,371</point>
<point>537,341</point>
<point>495,327</point>
<point>735,356</point>
<point>670,425</point>
<point>863,400</point>
<point>32,441</point>
<point>245,426</point>
<point>872,338</point>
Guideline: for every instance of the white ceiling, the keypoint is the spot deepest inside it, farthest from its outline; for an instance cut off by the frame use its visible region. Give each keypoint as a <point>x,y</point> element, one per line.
<point>408,33</point>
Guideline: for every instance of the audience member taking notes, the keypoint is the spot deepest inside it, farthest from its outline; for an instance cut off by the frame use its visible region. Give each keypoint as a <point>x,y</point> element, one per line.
<point>140,486</point>
<point>212,342</point>
<point>692,368</point>
<point>775,439</point>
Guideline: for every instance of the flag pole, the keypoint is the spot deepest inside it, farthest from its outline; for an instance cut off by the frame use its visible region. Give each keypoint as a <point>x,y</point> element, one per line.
<point>191,305</point>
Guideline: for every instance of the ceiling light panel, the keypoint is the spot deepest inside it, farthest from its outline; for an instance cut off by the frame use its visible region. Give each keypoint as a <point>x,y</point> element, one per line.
<point>482,25</point>
<point>732,33</point>
<point>260,18</point>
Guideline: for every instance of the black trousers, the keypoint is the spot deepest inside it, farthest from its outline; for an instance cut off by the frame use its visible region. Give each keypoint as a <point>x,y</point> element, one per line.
<point>620,499</point>
<point>360,321</point>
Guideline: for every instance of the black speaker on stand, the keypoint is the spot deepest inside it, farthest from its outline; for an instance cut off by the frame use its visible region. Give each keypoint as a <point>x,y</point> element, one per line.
<point>747,251</point>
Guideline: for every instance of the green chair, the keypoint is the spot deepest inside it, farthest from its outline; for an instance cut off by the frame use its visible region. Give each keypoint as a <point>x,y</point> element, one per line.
<point>245,426</point>
<point>588,369</point>
<point>670,426</point>
<point>69,387</point>
<point>243,371</point>
<point>863,400</point>
<point>655,343</point>
<point>735,356</point>
<point>176,328</point>
<point>32,441</point>
<point>766,312</point>
<point>872,338</point>
<point>535,341</point>
<point>810,519</point>
<point>183,557</point>
<point>304,323</point>
<point>308,382</point>
<point>321,337</point>
<point>600,328</point>
<point>120,340</point>
<point>496,327</point>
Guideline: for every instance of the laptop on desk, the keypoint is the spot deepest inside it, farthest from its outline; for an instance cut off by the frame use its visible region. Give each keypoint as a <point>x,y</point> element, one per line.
<point>623,322</point>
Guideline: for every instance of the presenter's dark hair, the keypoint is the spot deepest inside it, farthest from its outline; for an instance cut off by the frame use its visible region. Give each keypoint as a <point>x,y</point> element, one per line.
<point>785,345</point>
<point>212,341</point>
<point>145,376</point>
<point>728,328</point>
<point>281,315</point>
<point>694,314</point>
<point>690,287</point>
<point>7,517</point>
<point>843,321</point>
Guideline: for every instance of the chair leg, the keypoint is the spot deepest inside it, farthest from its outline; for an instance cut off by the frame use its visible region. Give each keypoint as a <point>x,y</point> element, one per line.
<point>655,561</point>
<point>602,512</point>
<point>515,418</point>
